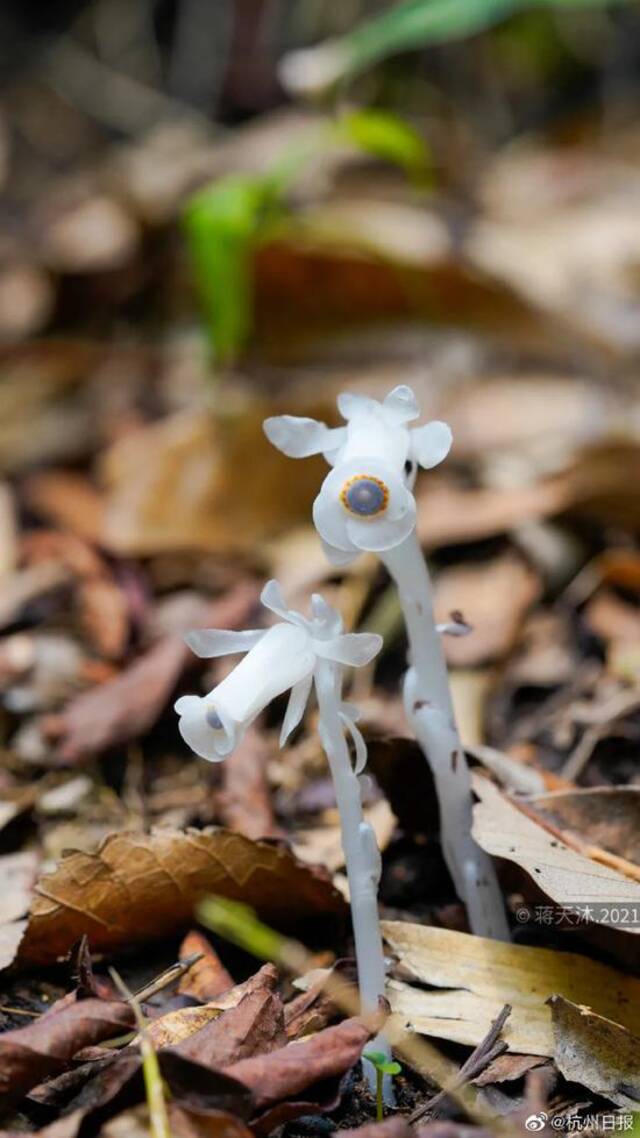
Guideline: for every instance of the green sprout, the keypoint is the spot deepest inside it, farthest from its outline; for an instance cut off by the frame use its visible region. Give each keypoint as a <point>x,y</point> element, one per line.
<point>383,1066</point>
<point>225,223</point>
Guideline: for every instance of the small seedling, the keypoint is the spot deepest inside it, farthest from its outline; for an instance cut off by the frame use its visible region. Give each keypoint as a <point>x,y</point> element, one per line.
<point>383,1066</point>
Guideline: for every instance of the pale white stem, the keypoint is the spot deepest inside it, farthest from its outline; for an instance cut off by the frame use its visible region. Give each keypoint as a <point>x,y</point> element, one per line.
<point>361,854</point>
<point>429,709</point>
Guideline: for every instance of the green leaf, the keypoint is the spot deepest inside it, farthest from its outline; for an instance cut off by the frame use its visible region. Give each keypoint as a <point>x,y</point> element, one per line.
<point>239,924</point>
<point>404,27</point>
<point>382,1063</point>
<point>223,224</point>
<point>378,1058</point>
<point>388,137</point>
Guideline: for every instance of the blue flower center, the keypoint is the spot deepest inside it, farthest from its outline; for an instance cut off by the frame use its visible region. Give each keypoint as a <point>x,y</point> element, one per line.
<point>213,719</point>
<point>365,496</point>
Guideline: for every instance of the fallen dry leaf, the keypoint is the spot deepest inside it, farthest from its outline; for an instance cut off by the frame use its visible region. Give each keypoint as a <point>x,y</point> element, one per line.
<point>254,1027</point>
<point>30,1054</point>
<point>448,513</point>
<point>562,874</point>
<point>187,483</point>
<point>245,801</point>
<point>137,887</point>
<point>480,976</point>
<point>603,816</point>
<point>596,1053</point>
<point>67,499</point>
<point>493,597</point>
<point>506,1069</point>
<point>290,1070</point>
<point>125,707</point>
<point>208,977</point>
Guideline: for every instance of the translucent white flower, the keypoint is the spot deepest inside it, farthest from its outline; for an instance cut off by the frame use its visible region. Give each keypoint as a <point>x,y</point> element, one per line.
<point>363,506</point>
<point>277,659</point>
<point>373,429</point>
<point>365,502</point>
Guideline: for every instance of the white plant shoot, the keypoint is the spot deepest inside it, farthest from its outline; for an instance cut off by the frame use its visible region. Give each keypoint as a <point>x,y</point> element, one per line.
<point>295,654</point>
<point>366,503</point>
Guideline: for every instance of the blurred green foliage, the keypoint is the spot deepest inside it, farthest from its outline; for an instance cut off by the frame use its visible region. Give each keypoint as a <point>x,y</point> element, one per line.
<point>422,23</point>
<point>226,222</point>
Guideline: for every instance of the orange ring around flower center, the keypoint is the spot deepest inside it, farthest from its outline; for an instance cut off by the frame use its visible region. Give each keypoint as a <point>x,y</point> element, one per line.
<point>380,506</point>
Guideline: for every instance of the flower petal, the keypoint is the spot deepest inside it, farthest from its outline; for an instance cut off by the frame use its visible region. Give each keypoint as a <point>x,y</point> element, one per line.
<point>197,732</point>
<point>329,517</point>
<point>338,557</point>
<point>323,612</point>
<point>271,597</point>
<point>353,648</point>
<point>431,444</point>
<point>349,716</point>
<point>298,437</point>
<point>351,404</point>
<point>384,533</point>
<point>295,707</point>
<point>401,404</point>
<point>210,642</point>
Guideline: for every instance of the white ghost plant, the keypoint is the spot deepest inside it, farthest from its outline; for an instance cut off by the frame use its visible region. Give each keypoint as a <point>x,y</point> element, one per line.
<point>295,654</point>
<point>366,503</point>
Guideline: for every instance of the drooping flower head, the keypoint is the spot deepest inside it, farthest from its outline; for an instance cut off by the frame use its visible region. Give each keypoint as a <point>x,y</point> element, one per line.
<point>365,502</point>
<point>277,659</point>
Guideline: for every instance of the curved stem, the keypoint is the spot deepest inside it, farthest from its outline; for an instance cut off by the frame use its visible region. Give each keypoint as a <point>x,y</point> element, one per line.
<point>429,708</point>
<point>361,854</point>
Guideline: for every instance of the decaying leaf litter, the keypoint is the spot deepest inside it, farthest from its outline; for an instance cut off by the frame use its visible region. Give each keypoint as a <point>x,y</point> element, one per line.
<point>139,498</point>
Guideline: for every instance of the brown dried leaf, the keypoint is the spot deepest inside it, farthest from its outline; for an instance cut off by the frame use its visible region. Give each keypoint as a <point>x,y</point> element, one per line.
<point>596,1052</point>
<point>67,499</point>
<point>30,1054</point>
<point>471,978</point>
<point>128,705</point>
<point>287,1072</point>
<point>506,1069</point>
<point>137,887</point>
<point>188,483</point>
<point>245,802</point>
<point>562,874</point>
<point>602,816</point>
<point>493,598</point>
<point>254,1027</point>
<point>208,977</point>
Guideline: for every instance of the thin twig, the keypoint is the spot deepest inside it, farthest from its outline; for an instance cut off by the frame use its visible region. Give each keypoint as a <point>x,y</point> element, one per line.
<point>486,1051</point>
<point>169,976</point>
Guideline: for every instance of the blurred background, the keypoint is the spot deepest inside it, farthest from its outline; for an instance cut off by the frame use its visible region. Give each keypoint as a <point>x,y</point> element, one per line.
<point>216,210</point>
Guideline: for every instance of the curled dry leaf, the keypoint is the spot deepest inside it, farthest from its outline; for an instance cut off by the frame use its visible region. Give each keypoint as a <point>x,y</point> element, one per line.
<point>30,1054</point>
<point>192,1031</point>
<point>561,873</point>
<point>137,887</point>
<point>596,1053</point>
<point>480,976</point>
<point>293,1069</point>
<point>254,1027</point>
<point>208,977</point>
